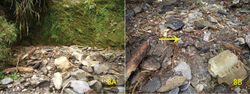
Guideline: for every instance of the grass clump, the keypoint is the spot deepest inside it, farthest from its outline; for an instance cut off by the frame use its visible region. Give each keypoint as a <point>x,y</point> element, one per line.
<point>98,23</point>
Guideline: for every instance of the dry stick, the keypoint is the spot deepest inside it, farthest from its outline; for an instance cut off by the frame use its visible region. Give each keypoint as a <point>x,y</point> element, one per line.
<point>64,87</point>
<point>136,59</point>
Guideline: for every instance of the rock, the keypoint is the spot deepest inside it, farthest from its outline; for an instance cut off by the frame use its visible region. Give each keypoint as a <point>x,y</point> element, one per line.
<point>237,90</point>
<point>6,81</point>
<point>202,24</point>
<point>172,83</point>
<point>150,64</point>
<point>248,39</point>
<point>222,11</point>
<point>152,85</point>
<point>62,63</point>
<point>137,9</point>
<point>212,7</point>
<point>241,40</point>
<point>89,62</point>
<point>91,83</point>
<point>105,78</point>
<point>79,74</point>
<point>175,24</point>
<point>97,86</point>
<point>236,1</point>
<point>190,90</point>
<point>221,89</point>
<point>184,69</point>
<point>174,91</point>
<point>227,67</point>
<point>212,19</point>
<point>165,8</point>
<point>129,13</point>
<point>80,86</point>
<point>185,86</point>
<point>199,87</point>
<point>87,69</point>
<point>69,91</point>
<point>121,89</point>
<point>100,68</point>
<point>245,1</point>
<point>206,36</point>
<point>57,80</point>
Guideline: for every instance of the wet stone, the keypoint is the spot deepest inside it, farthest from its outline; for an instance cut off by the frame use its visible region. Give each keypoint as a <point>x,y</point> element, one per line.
<point>152,85</point>
<point>174,24</point>
<point>150,64</point>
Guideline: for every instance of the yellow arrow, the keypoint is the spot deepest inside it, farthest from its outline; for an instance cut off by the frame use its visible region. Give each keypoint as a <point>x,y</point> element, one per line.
<point>175,39</point>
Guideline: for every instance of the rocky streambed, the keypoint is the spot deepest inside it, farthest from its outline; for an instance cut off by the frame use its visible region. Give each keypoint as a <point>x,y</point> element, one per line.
<point>65,70</point>
<point>212,56</point>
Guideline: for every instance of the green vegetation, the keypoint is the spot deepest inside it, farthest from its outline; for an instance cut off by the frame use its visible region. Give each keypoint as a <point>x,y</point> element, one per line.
<point>98,23</point>
<point>13,76</point>
<point>8,34</point>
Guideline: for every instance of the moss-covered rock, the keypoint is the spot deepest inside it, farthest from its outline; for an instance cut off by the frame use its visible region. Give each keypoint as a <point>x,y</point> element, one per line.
<point>98,23</point>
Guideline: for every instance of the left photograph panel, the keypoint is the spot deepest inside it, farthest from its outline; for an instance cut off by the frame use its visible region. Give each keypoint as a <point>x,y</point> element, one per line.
<point>62,47</point>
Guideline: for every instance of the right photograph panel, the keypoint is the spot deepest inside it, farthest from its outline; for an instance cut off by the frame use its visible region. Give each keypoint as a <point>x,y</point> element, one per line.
<point>187,46</point>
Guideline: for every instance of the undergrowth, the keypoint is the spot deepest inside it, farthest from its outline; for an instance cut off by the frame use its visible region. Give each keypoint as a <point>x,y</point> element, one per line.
<point>97,23</point>
<point>8,34</point>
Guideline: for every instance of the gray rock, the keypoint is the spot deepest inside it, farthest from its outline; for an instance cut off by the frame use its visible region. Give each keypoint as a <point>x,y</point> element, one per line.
<point>185,86</point>
<point>97,86</point>
<point>80,86</point>
<point>184,69</point>
<point>79,74</point>
<point>175,24</point>
<point>248,39</point>
<point>237,90</point>
<point>164,8</point>
<point>6,81</point>
<point>150,64</point>
<point>190,90</point>
<point>174,91</point>
<point>69,91</point>
<point>99,68</point>
<point>121,89</point>
<point>57,80</point>
<point>223,11</point>
<point>245,1</point>
<point>137,9</point>
<point>152,85</point>
<point>212,19</point>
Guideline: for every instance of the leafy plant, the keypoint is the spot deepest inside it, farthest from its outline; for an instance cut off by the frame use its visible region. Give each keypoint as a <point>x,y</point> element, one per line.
<point>14,75</point>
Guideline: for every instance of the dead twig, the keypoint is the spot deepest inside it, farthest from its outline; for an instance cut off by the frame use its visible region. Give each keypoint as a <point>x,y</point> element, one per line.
<point>136,59</point>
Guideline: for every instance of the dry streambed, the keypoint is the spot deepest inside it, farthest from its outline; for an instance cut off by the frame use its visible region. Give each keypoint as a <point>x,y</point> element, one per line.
<point>66,70</point>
